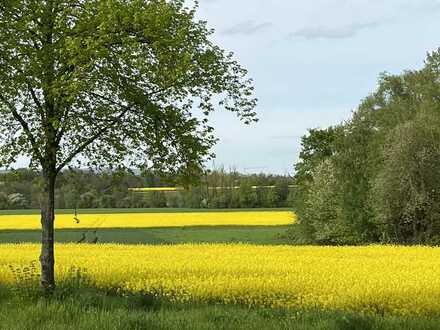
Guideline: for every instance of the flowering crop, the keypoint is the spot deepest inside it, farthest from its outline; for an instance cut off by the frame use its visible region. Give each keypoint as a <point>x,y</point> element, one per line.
<point>146,220</point>
<point>384,279</point>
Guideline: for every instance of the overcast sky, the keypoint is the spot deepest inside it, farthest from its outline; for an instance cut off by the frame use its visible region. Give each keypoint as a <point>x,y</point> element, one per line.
<point>312,62</point>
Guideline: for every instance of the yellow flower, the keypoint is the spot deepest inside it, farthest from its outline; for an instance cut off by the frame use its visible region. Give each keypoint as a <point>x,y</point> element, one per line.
<point>384,279</point>
<point>147,220</point>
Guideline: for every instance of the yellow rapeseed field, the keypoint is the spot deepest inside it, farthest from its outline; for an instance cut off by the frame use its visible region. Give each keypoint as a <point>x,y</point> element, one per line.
<point>147,220</point>
<point>384,279</point>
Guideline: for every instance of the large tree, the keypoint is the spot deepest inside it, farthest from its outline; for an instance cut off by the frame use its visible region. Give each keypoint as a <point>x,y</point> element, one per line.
<point>377,179</point>
<point>106,83</point>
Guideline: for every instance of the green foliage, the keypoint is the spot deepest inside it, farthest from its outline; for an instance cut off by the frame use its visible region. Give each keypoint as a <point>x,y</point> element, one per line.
<point>408,186</point>
<point>26,281</point>
<point>270,197</point>
<point>375,177</point>
<point>322,218</point>
<point>88,189</point>
<point>317,197</point>
<point>114,82</point>
<point>247,195</point>
<point>193,198</point>
<point>316,146</point>
<point>4,202</point>
<point>76,280</point>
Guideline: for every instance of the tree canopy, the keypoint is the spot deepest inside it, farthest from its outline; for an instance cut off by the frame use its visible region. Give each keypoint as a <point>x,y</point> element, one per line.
<point>112,81</point>
<point>375,177</point>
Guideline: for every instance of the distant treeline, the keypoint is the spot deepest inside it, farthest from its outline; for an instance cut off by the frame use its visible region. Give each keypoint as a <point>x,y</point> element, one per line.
<point>20,189</point>
<point>376,177</point>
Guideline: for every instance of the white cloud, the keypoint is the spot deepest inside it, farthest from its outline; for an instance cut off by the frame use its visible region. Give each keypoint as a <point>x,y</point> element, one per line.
<point>333,32</point>
<point>247,28</point>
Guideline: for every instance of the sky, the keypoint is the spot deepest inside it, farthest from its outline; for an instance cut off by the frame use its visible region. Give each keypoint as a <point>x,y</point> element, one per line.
<point>312,62</point>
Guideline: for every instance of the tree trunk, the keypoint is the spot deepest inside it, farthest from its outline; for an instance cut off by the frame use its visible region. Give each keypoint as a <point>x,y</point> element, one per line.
<point>47,258</point>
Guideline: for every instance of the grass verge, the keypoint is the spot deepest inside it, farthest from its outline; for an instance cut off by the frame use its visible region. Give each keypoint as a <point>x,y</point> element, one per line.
<point>90,309</point>
<point>270,235</point>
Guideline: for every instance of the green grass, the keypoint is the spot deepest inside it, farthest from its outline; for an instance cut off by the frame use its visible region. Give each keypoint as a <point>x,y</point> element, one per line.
<point>170,235</point>
<point>148,210</point>
<point>90,309</point>
<point>272,235</point>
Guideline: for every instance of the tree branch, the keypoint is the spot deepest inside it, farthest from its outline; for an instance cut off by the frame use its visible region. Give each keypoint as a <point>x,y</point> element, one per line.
<point>34,96</point>
<point>31,91</point>
<point>62,129</point>
<point>109,100</point>
<point>25,127</point>
<point>91,139</point>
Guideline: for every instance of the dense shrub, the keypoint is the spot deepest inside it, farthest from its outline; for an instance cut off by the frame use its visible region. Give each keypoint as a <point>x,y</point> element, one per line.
<point>408,187</point>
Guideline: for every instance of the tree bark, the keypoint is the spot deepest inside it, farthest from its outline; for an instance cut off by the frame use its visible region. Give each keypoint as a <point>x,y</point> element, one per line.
<point>47,258</point>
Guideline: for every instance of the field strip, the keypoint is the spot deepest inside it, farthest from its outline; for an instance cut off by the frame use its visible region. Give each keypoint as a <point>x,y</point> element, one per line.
<point>150,220</point>
<point>380,279</point>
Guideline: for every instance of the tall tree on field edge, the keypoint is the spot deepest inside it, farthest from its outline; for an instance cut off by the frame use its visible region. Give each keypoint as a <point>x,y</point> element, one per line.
<point>101,83</point>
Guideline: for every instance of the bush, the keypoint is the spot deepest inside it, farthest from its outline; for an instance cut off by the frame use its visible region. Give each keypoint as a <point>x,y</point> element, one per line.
<point>3,201</point>
<point>320,219</point>
<point>408,187</point>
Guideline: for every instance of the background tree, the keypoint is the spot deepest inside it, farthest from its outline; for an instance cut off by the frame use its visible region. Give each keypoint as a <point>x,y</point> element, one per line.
<point>111,189</point>
<point>380,179</point>
<point>106,84</point>
<point>247,195</point>
<point>408,186</point>
<point>316,146</point>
